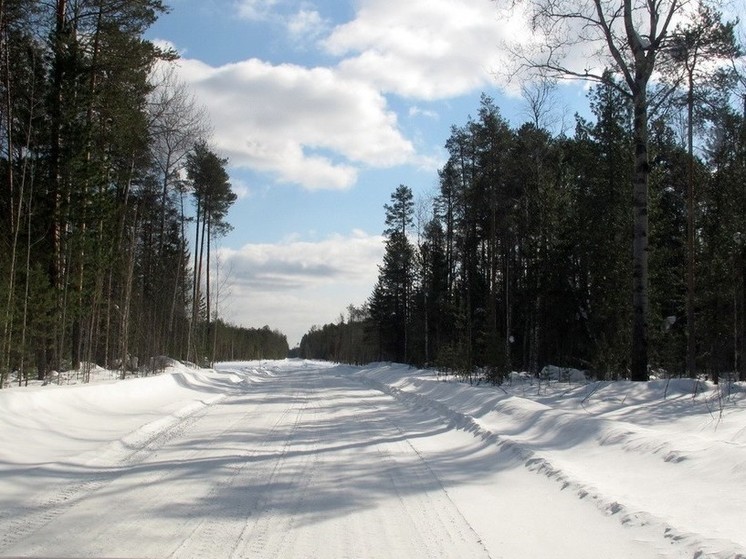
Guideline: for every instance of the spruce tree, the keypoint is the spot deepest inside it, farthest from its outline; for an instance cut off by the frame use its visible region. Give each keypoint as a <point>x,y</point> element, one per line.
<point>391,299</point>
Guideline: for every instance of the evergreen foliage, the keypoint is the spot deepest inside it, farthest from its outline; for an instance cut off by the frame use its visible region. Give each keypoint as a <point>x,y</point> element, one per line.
<point>94,258</point>
<point>525,260</point>
<point>237,343</point>
<point>352,341</point>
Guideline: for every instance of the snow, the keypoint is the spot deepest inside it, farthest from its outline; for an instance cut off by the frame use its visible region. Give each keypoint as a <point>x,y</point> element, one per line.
<point>308,459</point>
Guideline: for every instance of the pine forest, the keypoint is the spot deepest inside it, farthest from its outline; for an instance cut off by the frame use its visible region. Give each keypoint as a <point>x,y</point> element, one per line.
<point>615,244</point>
<point>106,169</point>
<point>523,257</point>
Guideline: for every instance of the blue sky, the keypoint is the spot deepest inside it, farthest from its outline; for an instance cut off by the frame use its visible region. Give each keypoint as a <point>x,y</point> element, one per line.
<point>323,108</point>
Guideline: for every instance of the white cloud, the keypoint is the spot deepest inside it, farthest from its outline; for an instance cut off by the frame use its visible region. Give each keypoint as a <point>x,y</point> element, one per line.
<point>425,49</point>
<point>256,10</point>
<point>293,285</point>
<point>306,23</point>
<point>293,264</point>
<point>305,125</point>
<point>301,22</point>
<point>416,111</point>
<point>241,189</point>
<point>320,126</point>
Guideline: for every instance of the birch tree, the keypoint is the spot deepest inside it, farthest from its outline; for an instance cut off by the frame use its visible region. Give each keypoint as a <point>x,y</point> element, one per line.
<point>627,37</point>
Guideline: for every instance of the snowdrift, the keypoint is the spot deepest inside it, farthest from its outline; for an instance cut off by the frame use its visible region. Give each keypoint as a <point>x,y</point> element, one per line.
<point>669,455</point>
<point>665,458</point>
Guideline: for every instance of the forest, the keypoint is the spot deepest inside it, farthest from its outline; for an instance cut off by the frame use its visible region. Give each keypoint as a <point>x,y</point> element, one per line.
<point>523,256</point>
<point>105,171</point>
<point>616,245</point>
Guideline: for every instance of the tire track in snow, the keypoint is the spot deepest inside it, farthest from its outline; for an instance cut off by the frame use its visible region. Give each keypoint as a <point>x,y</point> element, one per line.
<point>214,536</point>
<point>404,506</point>
<point>266,533</point>
<point>438,522</point>
<point>134,473</point>
<point>313,505</point>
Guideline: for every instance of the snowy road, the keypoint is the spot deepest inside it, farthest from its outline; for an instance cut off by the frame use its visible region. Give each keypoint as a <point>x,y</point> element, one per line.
<point>291,460</point>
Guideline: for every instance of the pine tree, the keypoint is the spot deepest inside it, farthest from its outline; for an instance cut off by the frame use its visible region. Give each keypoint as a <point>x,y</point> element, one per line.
<point>391,299</point>
<point>606,227</point>
<point>76,156</point>
<point>668,249</point>
<point>693,48</point>
<point>213,198</point>
<point>722,282</point>
<point>433,296</point>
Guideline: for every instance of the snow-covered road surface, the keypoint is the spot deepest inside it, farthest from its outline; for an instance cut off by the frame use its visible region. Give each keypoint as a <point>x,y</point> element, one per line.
<point>303,459</point>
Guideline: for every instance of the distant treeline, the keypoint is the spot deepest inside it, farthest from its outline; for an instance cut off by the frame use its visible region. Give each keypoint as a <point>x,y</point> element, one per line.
<point>524,258</point>
<point>236,343</point>
<point>349,341</point>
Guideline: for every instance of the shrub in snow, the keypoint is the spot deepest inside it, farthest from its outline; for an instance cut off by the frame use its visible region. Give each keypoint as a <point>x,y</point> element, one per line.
<point>160,362</point>
<point>51,376</point>
<point>562,374</point>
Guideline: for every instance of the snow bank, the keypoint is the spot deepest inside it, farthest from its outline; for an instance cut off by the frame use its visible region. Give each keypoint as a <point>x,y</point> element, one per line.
<point>665,457</point>
<point>56,423</point>
<point>666,454</point>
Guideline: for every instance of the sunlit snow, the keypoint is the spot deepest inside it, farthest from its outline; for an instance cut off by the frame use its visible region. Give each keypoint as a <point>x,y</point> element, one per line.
<point>307,459</point>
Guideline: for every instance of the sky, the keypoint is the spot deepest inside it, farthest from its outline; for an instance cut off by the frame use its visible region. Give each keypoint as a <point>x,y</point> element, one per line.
<point>323,107</point>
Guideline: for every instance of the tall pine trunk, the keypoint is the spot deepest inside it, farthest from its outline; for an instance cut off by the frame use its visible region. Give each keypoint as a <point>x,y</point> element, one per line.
<point>195,286</point>
<point>690,247</point>
<point>200,341</point>
<point>207,284</point>
<point>640,302</point>
<point>57,265</point>
<point>128,281</point>
<point>5,348</point>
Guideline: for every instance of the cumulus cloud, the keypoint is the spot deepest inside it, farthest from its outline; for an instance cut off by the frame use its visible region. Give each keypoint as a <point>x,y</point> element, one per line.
<point>319,126</point>
<point>425,49</point>
<point>296,284</point>
<point>292,264</point>
<point>308,126</point>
